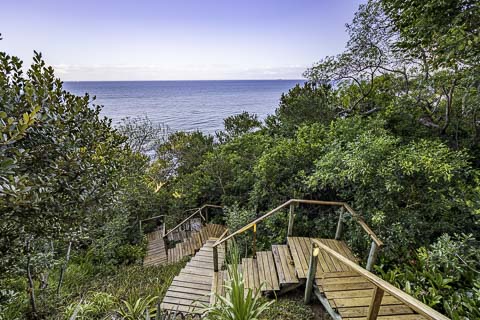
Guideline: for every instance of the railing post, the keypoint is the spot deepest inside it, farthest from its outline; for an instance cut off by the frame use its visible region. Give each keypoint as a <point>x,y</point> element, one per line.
<point>338,234</point>
<point>254,247</point>
<point>215,259</point>
<point>312,270</point>
<point>291,217</point>
<point>374,307</point>
<point>372,256</point>
<point>226,249</point>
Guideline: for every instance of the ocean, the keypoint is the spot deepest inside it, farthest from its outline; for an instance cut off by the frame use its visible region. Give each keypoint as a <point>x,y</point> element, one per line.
<point>184,105</point>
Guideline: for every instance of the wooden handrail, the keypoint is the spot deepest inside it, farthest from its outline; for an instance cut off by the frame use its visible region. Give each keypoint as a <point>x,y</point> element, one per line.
<point>199,210</point>
<point>364,225</point>
<point>410,301</point>
<point>251,224</point>
<point>156,217</point>
<point>215,253</point>
<point>358,218</point>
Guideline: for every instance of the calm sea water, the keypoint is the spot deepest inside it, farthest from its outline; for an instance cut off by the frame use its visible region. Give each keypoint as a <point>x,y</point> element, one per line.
<point>184,105</point>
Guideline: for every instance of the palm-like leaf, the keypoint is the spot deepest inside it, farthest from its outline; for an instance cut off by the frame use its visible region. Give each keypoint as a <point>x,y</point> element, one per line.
<point>239,304</point>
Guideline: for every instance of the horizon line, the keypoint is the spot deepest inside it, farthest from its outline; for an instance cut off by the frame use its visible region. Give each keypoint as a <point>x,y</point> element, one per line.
<point>165,80</point>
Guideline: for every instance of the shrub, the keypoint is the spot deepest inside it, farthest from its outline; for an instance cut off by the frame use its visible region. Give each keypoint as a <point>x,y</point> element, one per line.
<point>445,276</point>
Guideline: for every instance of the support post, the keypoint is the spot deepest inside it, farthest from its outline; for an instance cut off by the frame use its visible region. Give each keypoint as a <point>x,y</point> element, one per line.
<point>291,217</point>
<point>215,259</point>
<point>206,214</point>
<point>338,234</point>
<point>372,256</point>
<point>226,249</point>
<point>374,307</point>
<point>254,248</point>
<point>312,270</point>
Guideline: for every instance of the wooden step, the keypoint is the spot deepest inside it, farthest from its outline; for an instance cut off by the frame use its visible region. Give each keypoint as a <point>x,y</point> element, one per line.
<point>251,278</point>
<point>284,265</point>
<point>267,272</point>
<point>350,295</point>
<point>190,290</point>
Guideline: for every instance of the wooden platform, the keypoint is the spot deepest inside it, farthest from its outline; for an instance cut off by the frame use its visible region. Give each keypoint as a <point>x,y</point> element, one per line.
<point>301,249</point>
<point>267,273</point>
<point>350,295</point>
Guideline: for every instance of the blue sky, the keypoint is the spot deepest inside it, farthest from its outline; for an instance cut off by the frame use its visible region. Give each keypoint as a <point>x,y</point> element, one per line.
<point>176,39</point>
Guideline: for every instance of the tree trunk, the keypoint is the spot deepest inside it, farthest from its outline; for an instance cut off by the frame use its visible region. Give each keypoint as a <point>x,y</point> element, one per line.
<point>31,285</point>
<point>64,267</point>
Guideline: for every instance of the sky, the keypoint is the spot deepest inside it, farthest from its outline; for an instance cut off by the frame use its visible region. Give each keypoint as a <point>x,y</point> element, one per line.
<point>176,39</point>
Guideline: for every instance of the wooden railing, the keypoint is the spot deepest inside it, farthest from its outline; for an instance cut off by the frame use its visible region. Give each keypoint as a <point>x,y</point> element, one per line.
<point>380,286</point>
<point>376,243</point>
<point>198,212</point>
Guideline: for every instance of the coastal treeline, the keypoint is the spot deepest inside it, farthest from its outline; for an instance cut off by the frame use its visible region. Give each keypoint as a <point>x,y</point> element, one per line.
<point>390,126</point>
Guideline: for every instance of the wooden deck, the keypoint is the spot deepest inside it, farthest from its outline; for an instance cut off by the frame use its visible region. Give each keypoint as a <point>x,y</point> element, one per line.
<point>301,249</point>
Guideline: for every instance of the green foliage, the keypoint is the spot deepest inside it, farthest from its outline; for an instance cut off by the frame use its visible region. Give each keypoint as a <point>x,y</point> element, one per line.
<point>138,309</point>
<point>289,307</point>
<point>238,124</point>
<point>447,29</point>
<point>183,151</point>
<point>306,104</point>
<point>424,183</point>
<point>239,303</point>
<point>236,218</point>
<point>445,276</point>
<point>97,306</point>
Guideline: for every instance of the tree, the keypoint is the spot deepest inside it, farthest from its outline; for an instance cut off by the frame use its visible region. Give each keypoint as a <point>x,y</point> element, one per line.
<point>59,162</point>
<point>411,73</point>
<point>239,124</point>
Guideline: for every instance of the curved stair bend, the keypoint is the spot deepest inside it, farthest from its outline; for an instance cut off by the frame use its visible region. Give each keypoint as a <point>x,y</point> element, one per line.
<point>187,244</point>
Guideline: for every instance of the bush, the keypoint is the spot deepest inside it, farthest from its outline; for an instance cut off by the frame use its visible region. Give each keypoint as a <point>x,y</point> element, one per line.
<point>237,218</point>
<point>445,276</point>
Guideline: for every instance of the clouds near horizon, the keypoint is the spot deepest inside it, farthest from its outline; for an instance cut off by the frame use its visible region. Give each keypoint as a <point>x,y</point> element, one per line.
<point>176,40</point>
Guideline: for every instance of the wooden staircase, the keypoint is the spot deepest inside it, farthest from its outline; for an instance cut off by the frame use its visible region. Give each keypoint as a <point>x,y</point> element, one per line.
<point>347,292</point>
<point>190,290</point>
<point>156,251</point>
<point>326,267</point>
<point>191,242</point>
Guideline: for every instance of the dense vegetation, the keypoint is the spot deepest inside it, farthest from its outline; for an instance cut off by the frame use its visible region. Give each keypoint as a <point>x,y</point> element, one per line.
<point>391,126</point>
